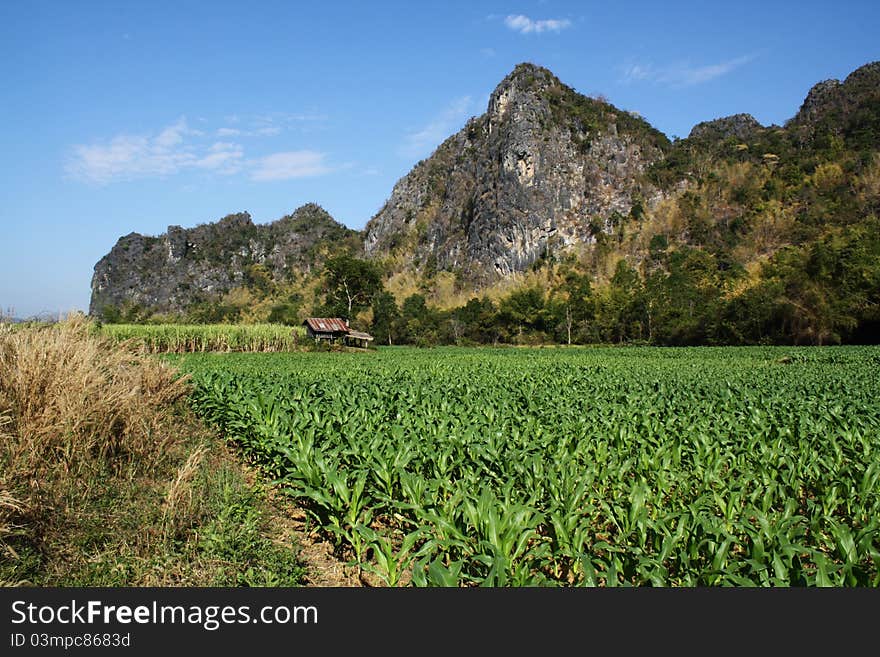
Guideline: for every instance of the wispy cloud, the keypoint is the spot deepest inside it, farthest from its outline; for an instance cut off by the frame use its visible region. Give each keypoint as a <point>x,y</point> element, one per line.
<point>178,148</point>
<point>420,142</point>
<point>266,125</point>
<point>289,165</point>
<point>682,74</point>
<point>526,25</point>
<point>264,131</point>
<point>127,157</point>
<point>223,157</point>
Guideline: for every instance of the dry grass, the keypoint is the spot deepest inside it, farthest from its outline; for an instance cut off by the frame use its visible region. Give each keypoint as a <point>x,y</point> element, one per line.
<point>76,412</point>
<point>106,479</point>
<point>9,507</point>
<point>74,399</point>
<point>178,506</point>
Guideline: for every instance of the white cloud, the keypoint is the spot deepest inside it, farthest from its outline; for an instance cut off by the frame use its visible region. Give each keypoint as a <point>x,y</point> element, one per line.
<point>223,157</point>
<point>682,74</point>
<point>127,157</point>
<point>172,135</point>
<point>705,73</point>
<point>177,148</point>
<point>421,142</point>
<point>525,25</point>
<point>289,165</point>
<point>638,72</point>
<point>261,131</point>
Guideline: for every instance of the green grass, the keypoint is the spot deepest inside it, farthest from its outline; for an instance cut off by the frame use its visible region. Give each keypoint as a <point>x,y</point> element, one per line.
<point>588,466</point>
<point>117,532</point>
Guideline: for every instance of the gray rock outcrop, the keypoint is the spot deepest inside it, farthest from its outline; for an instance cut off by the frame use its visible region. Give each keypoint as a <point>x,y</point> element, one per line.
<point>544,168</point>
<point>182,267</point>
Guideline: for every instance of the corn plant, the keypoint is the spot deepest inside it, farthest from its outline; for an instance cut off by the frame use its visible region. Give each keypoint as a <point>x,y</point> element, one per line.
<point>596,467</point>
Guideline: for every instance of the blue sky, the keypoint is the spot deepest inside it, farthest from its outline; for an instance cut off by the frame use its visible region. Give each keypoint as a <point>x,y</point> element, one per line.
<point>130,116</point>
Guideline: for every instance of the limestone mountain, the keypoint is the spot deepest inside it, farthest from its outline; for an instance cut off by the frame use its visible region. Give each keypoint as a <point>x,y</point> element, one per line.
<point>182,267</point>
<point>544,168</point>
<point>737,233</point>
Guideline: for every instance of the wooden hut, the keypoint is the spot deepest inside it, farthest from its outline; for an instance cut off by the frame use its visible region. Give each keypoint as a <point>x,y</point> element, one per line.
<point>334,329</point>
<point>330,329</point>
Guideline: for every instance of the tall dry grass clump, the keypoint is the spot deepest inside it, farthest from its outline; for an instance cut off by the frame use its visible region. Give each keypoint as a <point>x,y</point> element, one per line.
<point>73,397</point>
<point>74,406</point>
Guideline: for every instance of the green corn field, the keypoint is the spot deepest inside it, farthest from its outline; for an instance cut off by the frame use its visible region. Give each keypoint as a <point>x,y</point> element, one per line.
<point>184,338</point>
<point>755,466</point>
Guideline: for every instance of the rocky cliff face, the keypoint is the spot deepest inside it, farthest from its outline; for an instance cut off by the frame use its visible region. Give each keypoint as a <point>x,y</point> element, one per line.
<point>542,169</point>
<point>171,272</point>
<point>848,110</point>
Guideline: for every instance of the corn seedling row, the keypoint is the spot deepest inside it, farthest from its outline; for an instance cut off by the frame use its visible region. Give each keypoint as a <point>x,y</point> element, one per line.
<point>596,467</point>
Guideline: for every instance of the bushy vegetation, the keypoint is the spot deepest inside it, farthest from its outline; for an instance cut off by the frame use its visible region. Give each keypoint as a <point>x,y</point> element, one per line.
<point>589,117</point>
<point>512,467</point>
<point>824,292</point>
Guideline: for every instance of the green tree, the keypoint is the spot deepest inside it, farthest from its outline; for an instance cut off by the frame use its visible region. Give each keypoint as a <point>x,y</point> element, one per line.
<point>524,313</point>
<point>684,303</point>
<point>110,314</point>
<point>259,279</point>
<point>573,308</point>
<point>385,315</point>
<point>349,285</point>
<point>478,320</point>
<point>286,311</point>
<point>619,306</point>
<point>414,326</point>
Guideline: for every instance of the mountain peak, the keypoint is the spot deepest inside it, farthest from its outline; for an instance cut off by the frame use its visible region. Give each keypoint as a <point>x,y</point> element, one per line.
<point>173,272</point>
<point>741,126</point>
<point>529,74</point>
<point>234,220</point>
<point>526,86</point>
<point>846,109</point>
<point>869,71</point>
<point>523,180</point>
<point>818,96</point>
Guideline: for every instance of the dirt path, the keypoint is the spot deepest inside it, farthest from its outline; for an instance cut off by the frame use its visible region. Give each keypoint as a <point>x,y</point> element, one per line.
<point>290,528</point>
<point>323,568</point>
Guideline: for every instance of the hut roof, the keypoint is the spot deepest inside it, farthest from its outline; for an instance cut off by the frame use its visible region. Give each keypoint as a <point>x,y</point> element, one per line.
<point>327,324</point>
<point>360,335</point>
